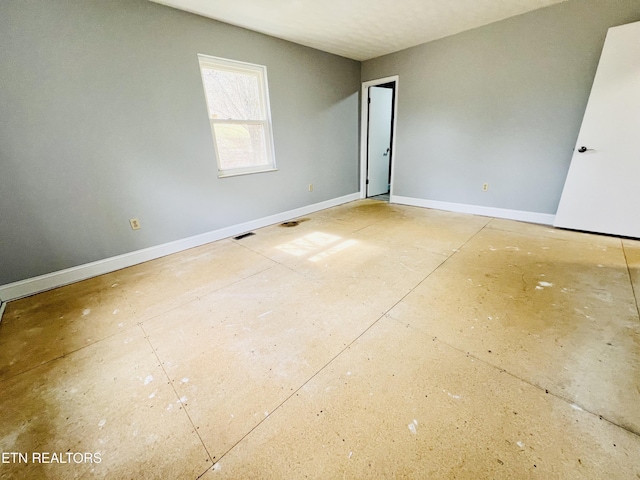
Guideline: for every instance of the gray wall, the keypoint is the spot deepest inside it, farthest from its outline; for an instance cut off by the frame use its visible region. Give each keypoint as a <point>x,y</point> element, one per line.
<point>500,104</point>
<point>104,119</point>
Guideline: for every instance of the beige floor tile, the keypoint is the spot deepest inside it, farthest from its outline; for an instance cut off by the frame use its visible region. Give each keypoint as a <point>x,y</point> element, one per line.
<point>372,271</point>
<point>433,230</point>
<point>358,215</point>
<point>328,229</point>
<point>110,398</point>
<point>369,271</point>
<point>312,235</point>
<point>43,327</point>
<point>399,404</point>
<point>285,245</point>
<point>380,289</point>
<point>38,329</point>
<point>247,352</point>
<point>205,269</point>
<point>539,231</point>
<point>559,314</point>
<point>237,354</point>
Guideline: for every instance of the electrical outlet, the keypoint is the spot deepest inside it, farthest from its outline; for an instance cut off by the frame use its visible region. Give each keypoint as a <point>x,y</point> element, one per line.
<point>135,223</point>
<point>311,187</point>
<point>485,187</point>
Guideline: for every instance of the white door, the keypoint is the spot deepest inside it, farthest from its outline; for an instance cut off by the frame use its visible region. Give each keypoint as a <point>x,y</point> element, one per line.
<point>602,190</point>
<point>379,140</point>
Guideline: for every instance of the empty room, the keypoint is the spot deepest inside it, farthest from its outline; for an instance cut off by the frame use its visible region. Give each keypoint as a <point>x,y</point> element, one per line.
<point>284,239</point>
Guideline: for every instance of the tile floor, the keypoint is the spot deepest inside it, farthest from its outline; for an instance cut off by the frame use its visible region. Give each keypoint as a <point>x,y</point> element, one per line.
<point>370,341</point>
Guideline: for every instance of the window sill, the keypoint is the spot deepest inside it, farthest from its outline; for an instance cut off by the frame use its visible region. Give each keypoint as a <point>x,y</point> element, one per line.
<point>250,172</point>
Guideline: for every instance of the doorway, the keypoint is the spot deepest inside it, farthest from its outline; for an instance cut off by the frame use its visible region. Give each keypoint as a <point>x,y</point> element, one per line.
<point>379,107</point>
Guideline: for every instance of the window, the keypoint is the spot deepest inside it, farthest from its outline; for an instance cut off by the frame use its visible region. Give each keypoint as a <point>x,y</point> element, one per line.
<point>238,105</point>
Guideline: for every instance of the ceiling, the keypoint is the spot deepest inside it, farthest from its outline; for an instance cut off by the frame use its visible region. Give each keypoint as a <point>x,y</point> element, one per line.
<point>359,29</point>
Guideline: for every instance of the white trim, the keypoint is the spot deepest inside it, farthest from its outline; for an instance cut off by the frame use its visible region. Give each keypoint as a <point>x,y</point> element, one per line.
<point>520,215</point>
<point>237,173</point>
<point>31,286</point>
<point>260,73</point>
<point>364,127</point>
<point>2,307</point>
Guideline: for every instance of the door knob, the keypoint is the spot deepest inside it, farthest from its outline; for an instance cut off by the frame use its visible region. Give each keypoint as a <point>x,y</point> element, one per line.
<point>582,149</point>
<point>387,152</point>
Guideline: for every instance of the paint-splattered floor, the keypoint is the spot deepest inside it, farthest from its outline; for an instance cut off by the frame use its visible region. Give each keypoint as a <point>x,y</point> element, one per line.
<point>370,341</point>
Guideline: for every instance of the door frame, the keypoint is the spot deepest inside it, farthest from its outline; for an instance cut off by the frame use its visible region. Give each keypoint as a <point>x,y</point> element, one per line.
<point>364,131</point>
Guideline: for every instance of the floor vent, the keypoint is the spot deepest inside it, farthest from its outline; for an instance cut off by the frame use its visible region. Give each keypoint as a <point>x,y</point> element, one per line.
<point>294,223</point>
<point>244,235</point>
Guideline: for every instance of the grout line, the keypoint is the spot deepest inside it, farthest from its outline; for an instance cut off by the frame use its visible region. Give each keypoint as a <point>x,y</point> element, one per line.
<point>590,235</point>
<point>626,260</point>
<point>63,355</point>
<point>276,264</point>
<point>204,295</point>
<point>447,256</point>
<point>329,362</point>
<point>246,247</point>
<point>139,323</point>
<point>302,386</point>
<point>184,406</point>
<point>628,429</point>
<point>369,225</point>
<point>535,385</point>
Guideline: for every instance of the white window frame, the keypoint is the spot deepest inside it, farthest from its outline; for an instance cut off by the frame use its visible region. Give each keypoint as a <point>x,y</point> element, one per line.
<point>260,72</point>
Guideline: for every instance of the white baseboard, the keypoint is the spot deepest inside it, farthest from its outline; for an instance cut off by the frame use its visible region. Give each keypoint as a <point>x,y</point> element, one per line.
<point>2,307</point>
<point>31,286</point>
<point>523,216</point>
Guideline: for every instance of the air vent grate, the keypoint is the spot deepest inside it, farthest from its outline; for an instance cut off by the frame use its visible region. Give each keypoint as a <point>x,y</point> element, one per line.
<point>244,235</point>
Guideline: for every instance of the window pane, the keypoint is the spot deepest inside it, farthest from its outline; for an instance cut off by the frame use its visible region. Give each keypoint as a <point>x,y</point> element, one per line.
<point>240,145</point>
<point>232,95</point>
<point>238,106</point>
